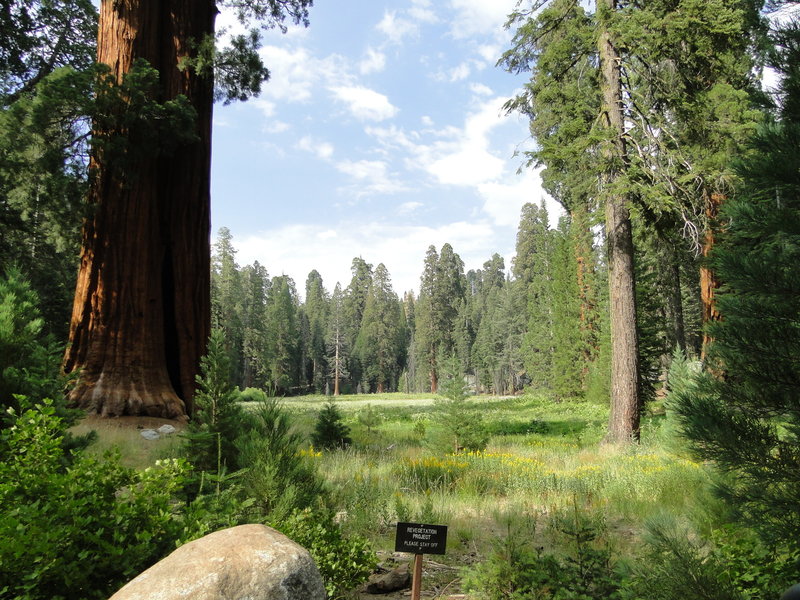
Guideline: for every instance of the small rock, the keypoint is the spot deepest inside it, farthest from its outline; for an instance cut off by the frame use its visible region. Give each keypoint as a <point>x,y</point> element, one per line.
<point>383,583</point>
<point>166,429</point>
<point>150,434</point>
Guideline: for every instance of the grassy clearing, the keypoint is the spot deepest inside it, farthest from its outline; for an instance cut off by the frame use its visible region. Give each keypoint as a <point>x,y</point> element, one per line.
<point>542,457</point>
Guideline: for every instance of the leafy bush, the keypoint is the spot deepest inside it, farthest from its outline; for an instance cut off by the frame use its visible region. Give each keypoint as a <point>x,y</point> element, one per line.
<point>79,531</point>
<point>518,570</point>
<point>252,395</point>
<point>330,432</point>
<point>369,418</point>
<point>344,562</point>
<point>516,427</point>
<point>677,565</point>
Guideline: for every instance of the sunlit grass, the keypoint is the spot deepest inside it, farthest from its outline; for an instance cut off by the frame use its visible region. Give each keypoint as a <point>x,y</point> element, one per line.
<point>542,457</point>
<point>134,450</point>
<point>551,456</point>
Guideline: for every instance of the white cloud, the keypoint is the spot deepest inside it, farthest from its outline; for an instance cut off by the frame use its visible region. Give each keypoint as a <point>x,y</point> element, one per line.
<point>480,89</point>
<point>365,104</point>
<point>373,62</point>
<point>394,137</point>
<point>409,207</point>
<point>266,107</point>
<point>330,249</point>
<point>459,73</point>
<point>290,76</point>
<point>321,149</point>
<point>423,14</point>
<point>370,177</point>
<point>466,158</point>
<point>503,200</point>
<point>490,53</point>
<point>363,169</point>
<point>277,127</point>
<point>479,17</point>
<point>396,28</point>
<point>294,72</point>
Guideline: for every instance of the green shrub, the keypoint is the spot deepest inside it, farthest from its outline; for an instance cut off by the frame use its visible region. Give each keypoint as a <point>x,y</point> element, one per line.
<point>678,565</point>
<point>330,432</point>
<point>30,361</point>
<point>733,565</point>
<point>518,570</point>
<point>214,426</point>
<point>252,395</point>
<point>77,531</point>
<point>275,474</point>
<point>369,418</point>
<point>463,424</point>
<point>344,562</point>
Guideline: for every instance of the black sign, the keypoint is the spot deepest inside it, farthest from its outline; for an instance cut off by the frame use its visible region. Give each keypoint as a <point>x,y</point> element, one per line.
<point>420,539</point>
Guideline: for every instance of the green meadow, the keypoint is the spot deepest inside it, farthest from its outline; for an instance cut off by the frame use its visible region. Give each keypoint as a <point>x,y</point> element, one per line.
<point>542,458</point>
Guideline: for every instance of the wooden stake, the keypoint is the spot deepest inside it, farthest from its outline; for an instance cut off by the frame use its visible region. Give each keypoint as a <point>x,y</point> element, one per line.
<point>416,581</point>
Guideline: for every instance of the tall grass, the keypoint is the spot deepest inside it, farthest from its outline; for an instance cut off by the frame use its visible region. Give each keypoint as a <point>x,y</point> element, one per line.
<point>541,457</point>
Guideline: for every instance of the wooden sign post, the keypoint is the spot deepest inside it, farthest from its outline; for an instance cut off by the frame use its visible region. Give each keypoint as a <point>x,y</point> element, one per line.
<point>419,539</point>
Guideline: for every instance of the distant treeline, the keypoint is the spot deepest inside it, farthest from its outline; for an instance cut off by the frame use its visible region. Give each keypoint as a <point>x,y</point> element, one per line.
<point>543,322</point>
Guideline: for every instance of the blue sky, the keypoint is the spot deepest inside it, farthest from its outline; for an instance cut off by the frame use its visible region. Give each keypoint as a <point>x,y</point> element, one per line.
<point>380,133</point>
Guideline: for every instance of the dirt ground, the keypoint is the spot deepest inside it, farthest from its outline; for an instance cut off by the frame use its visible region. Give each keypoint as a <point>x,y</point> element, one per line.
<point>97,422</point>
<point>439,580</point>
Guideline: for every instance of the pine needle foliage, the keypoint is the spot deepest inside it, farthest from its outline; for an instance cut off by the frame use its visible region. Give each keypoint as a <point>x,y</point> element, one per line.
<point>330,432</point>
<point>464,425</point>
<point>212,432</point>
<point>276,475</point>
<point>746,415</point>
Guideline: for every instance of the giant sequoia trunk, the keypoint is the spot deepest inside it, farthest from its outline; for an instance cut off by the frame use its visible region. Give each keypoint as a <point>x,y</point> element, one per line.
<point>623,423</point>
<point>141,315</point>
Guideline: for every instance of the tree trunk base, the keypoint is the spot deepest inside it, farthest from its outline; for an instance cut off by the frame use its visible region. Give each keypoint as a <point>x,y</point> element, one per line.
<point>111,397</point>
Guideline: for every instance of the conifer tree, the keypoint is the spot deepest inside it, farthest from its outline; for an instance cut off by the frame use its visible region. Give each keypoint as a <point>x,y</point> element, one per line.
<point>256,283</point>
<point>227,295</point>
<point>426,334</point>
<point>380,345</point>
<point>282,339</point>
<point>355,302</point>
<point>568,357</point>
<point>677,100</point>
<point>316,309</point>
<point>329,431</point>
<point>337,348</point>
<point>47,50</point>
<point>442,288</point>
<point>212,432</point>
<point>409,311</point>
<point>533,272</point>
<point>748,421</point>
<point>139,325</point>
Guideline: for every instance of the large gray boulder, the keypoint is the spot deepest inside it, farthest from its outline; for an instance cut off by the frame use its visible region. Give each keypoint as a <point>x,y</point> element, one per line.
<point>249,562</point>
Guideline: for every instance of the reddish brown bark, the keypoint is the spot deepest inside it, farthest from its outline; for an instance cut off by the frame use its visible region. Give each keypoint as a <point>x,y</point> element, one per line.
<point>141,315</point>
<point>709,283</point>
